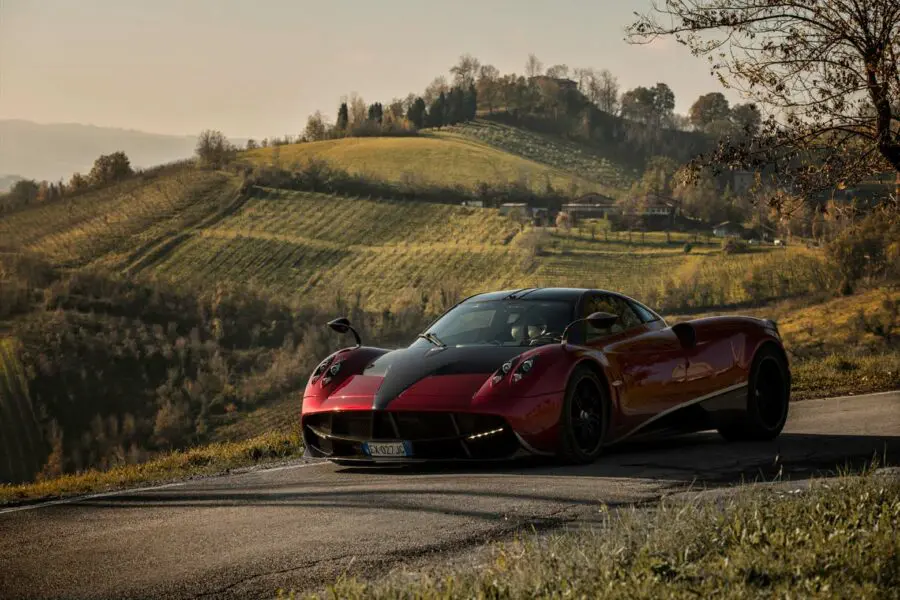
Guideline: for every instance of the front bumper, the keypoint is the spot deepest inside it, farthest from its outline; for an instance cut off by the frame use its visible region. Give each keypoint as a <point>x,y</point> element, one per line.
<point>432,435</point>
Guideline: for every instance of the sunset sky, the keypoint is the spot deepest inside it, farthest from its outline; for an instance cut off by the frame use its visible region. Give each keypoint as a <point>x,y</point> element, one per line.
<point>258,68</point>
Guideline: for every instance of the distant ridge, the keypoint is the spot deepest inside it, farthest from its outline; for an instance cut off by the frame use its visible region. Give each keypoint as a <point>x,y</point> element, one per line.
<point>56,150</point>
<point>7,181</point>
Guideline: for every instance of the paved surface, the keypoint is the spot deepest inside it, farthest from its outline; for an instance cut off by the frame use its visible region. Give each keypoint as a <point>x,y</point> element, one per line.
<point>302,525</point>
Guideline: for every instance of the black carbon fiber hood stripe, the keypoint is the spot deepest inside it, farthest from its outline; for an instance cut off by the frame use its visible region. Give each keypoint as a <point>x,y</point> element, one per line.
<point>403,368</point>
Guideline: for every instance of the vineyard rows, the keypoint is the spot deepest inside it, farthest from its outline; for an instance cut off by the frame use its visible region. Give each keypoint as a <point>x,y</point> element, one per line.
<point>111,222</point>
<point>545,150</point>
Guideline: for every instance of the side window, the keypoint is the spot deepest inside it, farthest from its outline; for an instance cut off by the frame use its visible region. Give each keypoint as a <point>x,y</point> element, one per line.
<point>645,315</point>
<point>611,304</point>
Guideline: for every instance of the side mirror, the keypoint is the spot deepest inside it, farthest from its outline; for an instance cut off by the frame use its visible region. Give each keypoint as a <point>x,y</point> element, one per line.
<point>597,320</point>
<point>602,320</point>
<point>342,325</point>
<point>685,334</point>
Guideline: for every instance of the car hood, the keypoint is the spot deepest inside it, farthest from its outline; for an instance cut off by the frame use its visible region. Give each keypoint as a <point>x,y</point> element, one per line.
<point>401,369</point>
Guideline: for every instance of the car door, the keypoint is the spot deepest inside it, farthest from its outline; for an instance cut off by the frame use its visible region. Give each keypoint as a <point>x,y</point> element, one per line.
<point>647,356</point>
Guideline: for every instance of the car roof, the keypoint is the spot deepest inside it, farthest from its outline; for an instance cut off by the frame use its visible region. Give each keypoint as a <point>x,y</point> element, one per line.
<point>566,294</point>
<point>551,294</point>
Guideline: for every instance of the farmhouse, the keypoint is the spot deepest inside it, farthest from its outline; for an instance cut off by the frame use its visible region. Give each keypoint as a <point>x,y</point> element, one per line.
<point>727,229</point>
<point>562,83</point>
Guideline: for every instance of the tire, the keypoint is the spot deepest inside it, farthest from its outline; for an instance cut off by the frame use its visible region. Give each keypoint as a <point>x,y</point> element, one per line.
<point>584,418</point>
<point>768,400</point>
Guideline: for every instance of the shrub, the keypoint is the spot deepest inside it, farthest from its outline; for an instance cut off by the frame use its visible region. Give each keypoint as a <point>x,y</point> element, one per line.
<point>882,323</point>
<point>109,168</point>
<point>868,249</point>
<point>734,246</point>
<point>214,151</point>
<point>687,248</point>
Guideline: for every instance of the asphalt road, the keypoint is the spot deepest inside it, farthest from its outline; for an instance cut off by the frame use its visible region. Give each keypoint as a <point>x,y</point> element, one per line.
<point>302,525</point>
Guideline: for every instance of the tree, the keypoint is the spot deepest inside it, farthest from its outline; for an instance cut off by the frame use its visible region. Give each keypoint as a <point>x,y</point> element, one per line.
<point>358,111</point>
<point>454,107</point>
<point>533,66</point>
<point>487,86</point>
<point>437,111</point>
<point>376,113</point>
<point>657,177</point>
<point>638,104</point>
<point>437,87</point>
<point>24,191</point>
<point>746,119</point>
<point>78,183</point>
<point>605,89</point>
<point>343,117</point>
<point>109,168</point>
<point>558,72</point>
<point>470,104</point>
<point>396,110</point>
<point>251,144</point>
<point>826,71</point>
<point>708,109</point>
<point>465,71</point>
<point>316,128</point>
<point>663,105</point>
<point>416,113</point>
<point>213,149</point>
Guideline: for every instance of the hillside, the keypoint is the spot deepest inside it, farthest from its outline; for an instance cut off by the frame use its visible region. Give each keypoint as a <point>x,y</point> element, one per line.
<point>552,151</point>
<point>185,305</point>
<point>436,158</point>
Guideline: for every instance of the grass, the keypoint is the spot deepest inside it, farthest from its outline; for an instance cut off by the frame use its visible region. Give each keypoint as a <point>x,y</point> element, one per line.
<point>182,464</point>
<point>440,160</point>
<point>845,375</point>
<point>547,150</point>
<point>835,539</point>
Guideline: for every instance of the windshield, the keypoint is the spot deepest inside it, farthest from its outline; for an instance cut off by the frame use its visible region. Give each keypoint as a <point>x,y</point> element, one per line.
<point>502,323</point>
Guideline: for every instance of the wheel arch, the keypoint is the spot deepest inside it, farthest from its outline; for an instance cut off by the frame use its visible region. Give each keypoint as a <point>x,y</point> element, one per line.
<point>595,367</point>
<point>770,344</point>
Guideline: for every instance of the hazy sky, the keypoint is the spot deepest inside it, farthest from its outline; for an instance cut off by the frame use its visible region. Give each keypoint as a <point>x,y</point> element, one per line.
<point>258,68</point>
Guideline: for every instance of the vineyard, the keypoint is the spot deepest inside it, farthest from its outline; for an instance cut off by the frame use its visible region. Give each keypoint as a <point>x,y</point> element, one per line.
<point>429,160</point>
<point>108,226</point>
<point>551,151</point>
<point>311,247</point>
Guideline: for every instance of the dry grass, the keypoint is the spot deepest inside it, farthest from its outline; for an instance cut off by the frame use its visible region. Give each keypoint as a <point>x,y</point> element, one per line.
<point>426,160</point>
<point>203,460</point>
<point>836,539</point>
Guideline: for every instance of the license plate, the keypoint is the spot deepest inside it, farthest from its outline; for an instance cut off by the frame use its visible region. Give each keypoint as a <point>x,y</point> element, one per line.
<point>387,449</point>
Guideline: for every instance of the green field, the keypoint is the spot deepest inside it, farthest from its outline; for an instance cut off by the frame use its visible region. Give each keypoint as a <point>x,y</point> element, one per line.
<point>433,159</point>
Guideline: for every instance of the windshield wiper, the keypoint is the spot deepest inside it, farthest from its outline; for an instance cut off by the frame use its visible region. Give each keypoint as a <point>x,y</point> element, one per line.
<point>433,339</point>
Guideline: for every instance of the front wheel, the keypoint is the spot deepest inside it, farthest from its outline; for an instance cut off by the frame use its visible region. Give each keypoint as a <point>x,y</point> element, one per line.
<point>768,398</point>
<point>583,421</point>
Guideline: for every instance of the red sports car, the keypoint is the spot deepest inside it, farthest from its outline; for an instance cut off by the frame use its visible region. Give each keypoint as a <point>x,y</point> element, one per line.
<point>553,371</point>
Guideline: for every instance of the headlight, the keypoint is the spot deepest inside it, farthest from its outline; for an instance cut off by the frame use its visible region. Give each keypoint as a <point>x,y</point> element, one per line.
<point>326,369</point>
<point>320,369</point>
<point>524,367</point>
<point>520,371</point>
<point>501,373</point>
<point>333,370</point>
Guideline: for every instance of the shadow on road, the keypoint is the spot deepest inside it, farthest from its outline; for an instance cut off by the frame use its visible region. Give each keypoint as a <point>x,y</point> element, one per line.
<point>465,489</point>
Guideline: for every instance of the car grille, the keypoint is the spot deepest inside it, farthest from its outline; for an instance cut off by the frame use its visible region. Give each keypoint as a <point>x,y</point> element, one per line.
<point>444,435</point>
